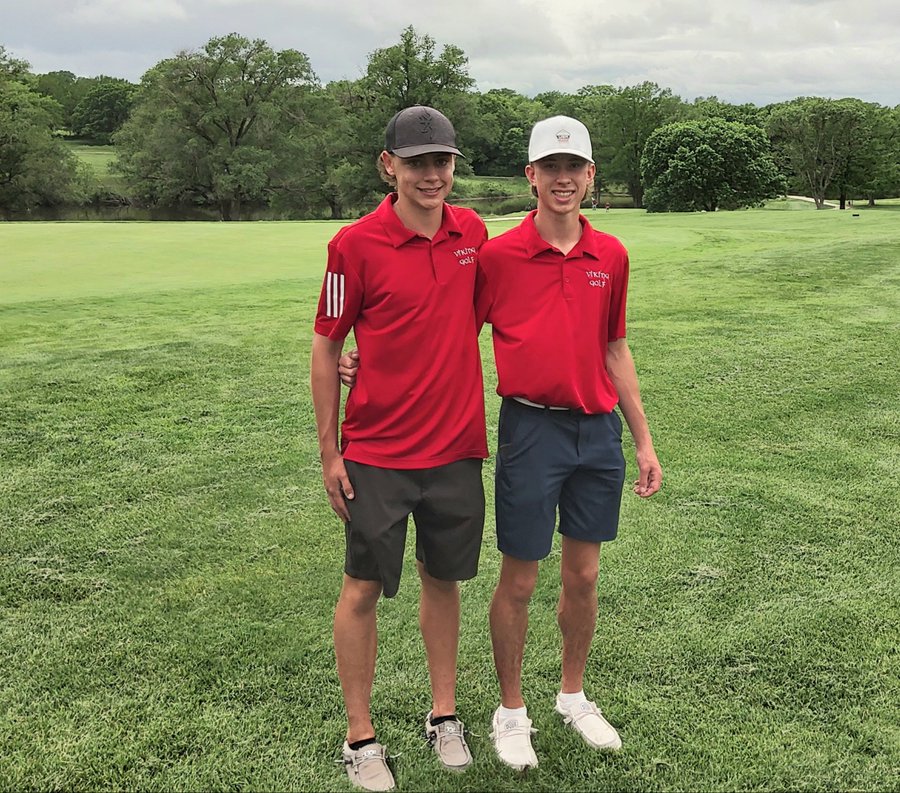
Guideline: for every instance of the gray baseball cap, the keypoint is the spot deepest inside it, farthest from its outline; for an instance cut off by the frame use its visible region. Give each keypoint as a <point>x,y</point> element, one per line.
<point>420,130</point>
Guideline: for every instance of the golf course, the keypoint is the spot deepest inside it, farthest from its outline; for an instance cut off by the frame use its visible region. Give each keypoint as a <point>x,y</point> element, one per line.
<point>169,563</point>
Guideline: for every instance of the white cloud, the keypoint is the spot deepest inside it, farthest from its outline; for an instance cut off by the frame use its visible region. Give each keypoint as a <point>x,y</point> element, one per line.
<point>740,50</point>
<point>113,13</point>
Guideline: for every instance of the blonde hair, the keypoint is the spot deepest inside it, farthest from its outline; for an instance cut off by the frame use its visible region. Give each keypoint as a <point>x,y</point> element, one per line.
<point>389,179</point>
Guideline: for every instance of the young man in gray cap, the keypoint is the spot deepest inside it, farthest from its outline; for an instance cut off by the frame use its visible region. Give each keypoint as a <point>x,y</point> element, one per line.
<point>402,278</point>
<point>554,291</point>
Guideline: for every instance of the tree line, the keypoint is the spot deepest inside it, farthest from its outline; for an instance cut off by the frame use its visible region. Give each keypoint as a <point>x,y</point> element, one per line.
<point>235,125</point>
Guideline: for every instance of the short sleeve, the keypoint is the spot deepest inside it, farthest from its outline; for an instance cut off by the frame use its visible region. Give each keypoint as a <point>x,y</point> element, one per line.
<point>618,300</point>
<point>341,296</point>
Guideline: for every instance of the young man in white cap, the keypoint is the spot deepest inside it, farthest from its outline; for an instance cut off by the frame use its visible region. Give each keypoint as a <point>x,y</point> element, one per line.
<point>402,279</point>
<point>554,291</point>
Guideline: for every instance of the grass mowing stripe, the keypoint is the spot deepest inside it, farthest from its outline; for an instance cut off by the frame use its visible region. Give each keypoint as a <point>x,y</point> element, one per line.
<point>168,563</point>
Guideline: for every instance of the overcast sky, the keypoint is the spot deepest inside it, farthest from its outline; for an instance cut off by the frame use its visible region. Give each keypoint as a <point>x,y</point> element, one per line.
<point>756,51</point>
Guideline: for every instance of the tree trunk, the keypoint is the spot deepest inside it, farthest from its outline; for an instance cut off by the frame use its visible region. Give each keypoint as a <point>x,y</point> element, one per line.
<point>637,194</point>
<point>230,208</point>
<point>871,201</point>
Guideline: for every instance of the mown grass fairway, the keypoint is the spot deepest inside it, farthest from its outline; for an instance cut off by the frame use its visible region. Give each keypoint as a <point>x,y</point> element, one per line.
<point>98,160</point>
<point>169,564</point>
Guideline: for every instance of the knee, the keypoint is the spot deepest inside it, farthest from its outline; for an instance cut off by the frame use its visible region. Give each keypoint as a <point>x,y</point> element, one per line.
<point>359,597</point>
<point>517,587</point>
<point>436,585</point>
<point>580,582</point>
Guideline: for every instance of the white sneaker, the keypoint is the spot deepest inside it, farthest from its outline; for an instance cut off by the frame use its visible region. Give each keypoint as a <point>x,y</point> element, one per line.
<point>512,740</point>
<point>587,720</point>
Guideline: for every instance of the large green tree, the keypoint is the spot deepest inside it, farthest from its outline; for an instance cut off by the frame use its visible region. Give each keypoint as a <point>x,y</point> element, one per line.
<point>408,73</point>
<point>713,107</point>
<point>67,89</point>
<point>35,167</point>
<point>12,68</point>
<point>708,165</point>
<point>498,136</point>
<point>819,142</point>
<point>621,120</point>
<point>103,109</point>
<point>872,166</point>
<point>411,73</point>
<point>327,179</point>
<point>217,127</point>
<point>882,179</point>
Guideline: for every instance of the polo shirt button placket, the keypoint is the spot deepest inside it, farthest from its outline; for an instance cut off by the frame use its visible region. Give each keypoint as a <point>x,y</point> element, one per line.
<point>567,283</point>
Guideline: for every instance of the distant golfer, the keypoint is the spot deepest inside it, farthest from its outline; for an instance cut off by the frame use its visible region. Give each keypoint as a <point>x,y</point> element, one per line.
<point>413,438</point>
<point>554,291</point>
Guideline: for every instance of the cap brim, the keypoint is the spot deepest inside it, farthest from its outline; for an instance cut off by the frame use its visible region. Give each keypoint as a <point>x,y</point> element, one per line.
<point>550,152</point>
<point>426,148</point>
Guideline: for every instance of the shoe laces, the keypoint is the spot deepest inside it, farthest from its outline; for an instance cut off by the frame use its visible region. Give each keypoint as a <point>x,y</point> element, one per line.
<point>365,754</point>
<point>512,728</point>
<point>582,710</point>
<point>447,729</point>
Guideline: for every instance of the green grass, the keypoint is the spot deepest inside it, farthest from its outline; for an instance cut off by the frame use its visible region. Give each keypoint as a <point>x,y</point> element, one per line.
<point>169,565</point>
<point>882,203</point>
<point>790,204</point>
<point>98,160</point>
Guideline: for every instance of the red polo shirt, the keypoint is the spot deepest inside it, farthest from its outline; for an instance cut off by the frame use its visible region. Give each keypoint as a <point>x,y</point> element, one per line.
<point>418,401</point>
<point>553,315</point>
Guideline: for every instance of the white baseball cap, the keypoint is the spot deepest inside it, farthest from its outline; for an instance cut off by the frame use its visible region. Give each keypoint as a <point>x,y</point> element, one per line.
<point>559,135</point>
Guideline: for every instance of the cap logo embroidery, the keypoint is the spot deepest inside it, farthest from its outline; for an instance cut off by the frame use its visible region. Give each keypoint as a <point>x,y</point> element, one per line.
<point>562,137</point>
<point>425,125</point>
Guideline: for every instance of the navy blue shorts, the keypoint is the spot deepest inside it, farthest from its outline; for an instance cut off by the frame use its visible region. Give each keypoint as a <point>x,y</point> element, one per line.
<point>549,459</point>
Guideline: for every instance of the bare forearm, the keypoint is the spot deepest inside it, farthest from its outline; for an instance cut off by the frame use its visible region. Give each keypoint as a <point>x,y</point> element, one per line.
<point>620,366</point>
<point>326,392</point>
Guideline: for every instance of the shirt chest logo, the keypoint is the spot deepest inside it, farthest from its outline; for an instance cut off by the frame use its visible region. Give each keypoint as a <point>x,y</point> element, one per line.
<point>465,256</point>
<point>597,278</point>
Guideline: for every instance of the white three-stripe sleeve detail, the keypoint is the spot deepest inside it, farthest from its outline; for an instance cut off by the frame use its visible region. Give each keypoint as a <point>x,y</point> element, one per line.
<point>334,294</point>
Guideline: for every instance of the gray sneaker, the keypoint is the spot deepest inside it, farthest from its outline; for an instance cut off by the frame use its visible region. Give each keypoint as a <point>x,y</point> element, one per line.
<point>449,742</point>
<point>367,767</point>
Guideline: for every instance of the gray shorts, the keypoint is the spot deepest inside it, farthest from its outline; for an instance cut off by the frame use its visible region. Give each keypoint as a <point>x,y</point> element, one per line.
<point>549,459</point>
<point>447,505</point>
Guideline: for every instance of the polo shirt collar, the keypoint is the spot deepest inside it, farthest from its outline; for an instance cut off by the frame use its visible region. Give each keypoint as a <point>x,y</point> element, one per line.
<point>399,235</point>
<point>536,244</point>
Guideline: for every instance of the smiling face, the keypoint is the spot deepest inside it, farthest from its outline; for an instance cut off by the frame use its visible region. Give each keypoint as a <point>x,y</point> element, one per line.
<point>561,181</point>
<point>424,181</point>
